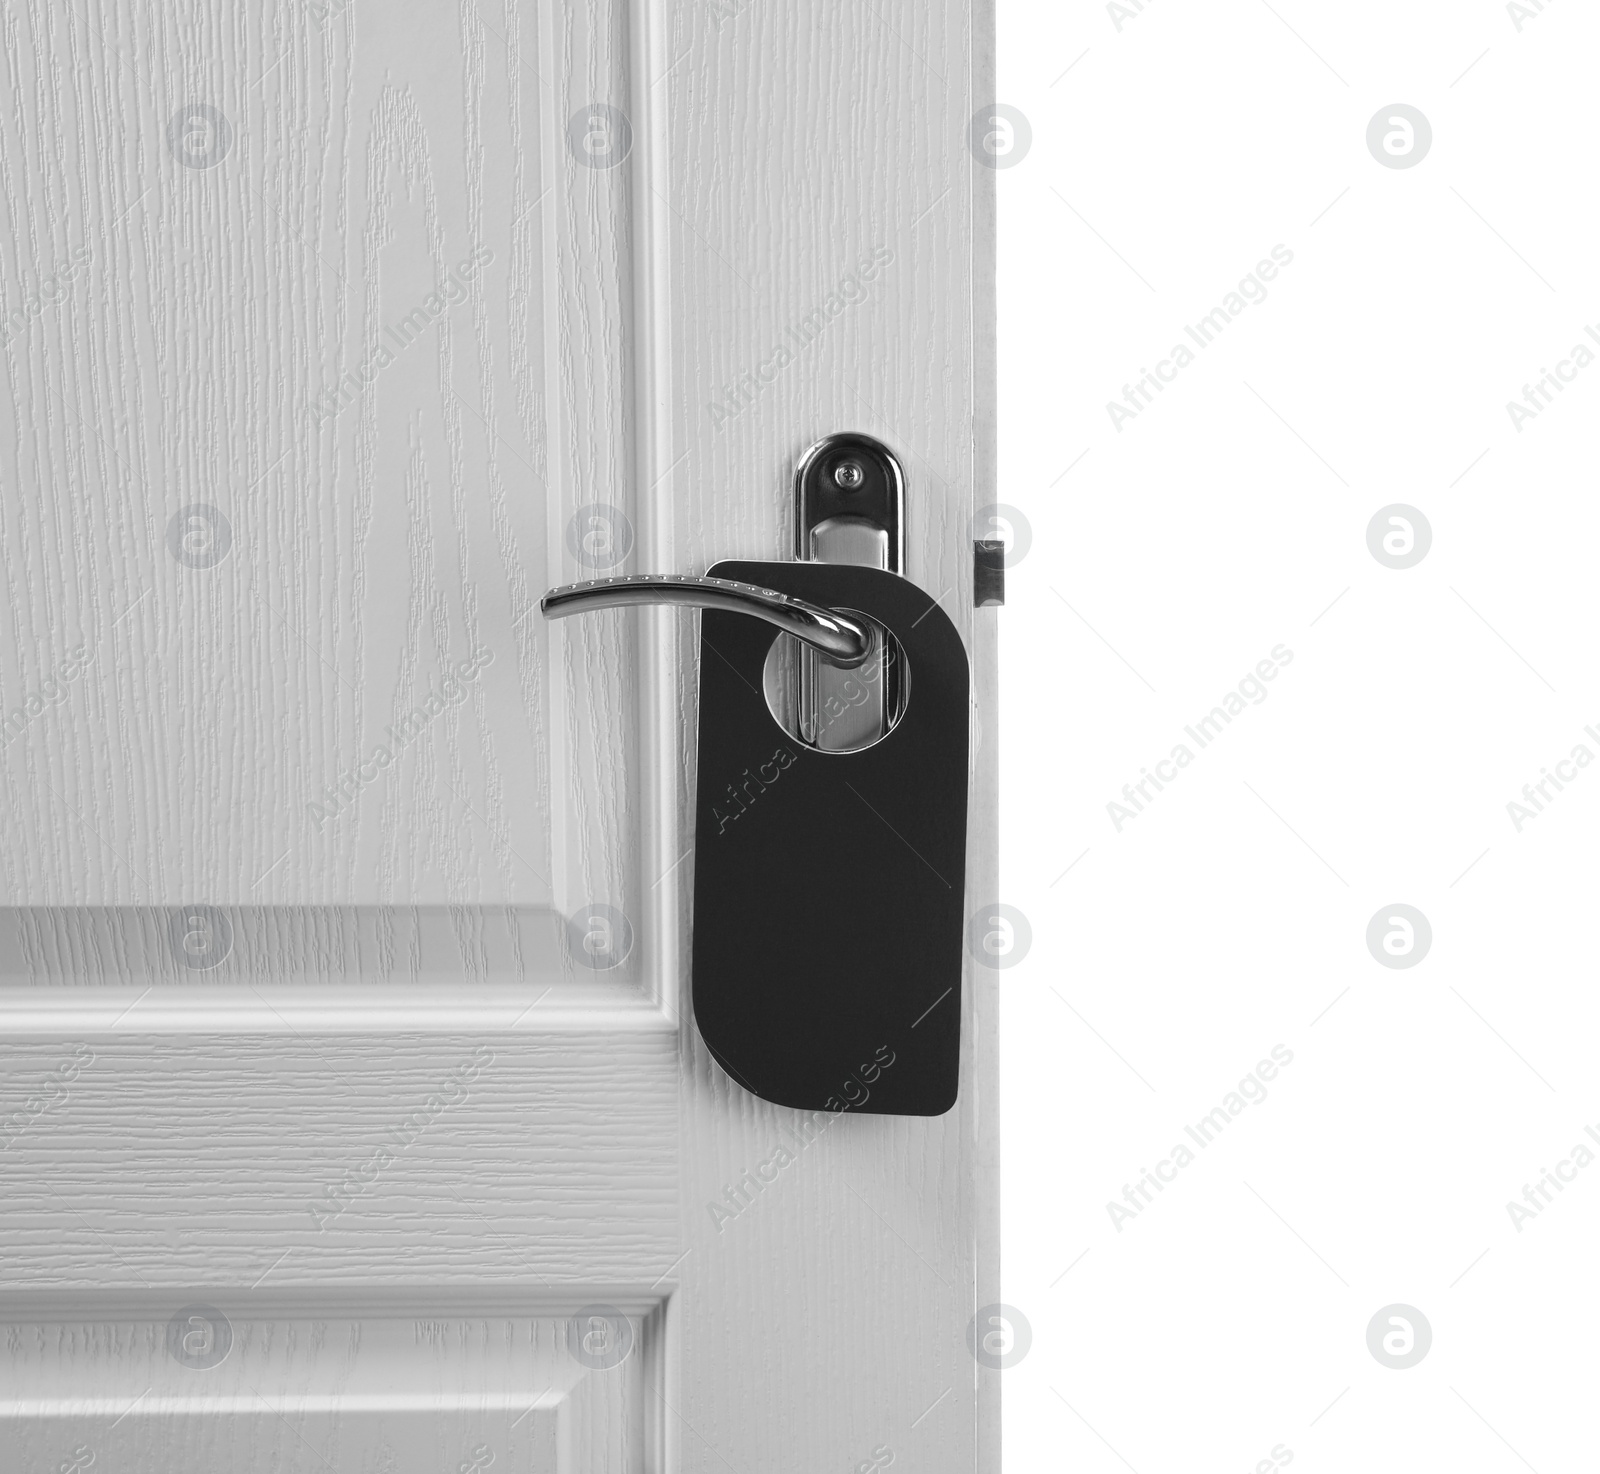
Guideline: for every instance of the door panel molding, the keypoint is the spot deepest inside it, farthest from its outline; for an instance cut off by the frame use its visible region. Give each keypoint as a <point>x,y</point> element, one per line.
<point>71,970</point>
<point>414,1377</point>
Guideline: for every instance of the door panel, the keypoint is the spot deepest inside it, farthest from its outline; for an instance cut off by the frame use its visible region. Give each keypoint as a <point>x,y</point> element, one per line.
<point>344,379</point>
<point>335,371</point>
<point>362,1383</point>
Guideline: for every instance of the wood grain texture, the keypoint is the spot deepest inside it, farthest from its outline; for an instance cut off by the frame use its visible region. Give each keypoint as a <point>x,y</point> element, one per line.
<point>290,450</point>
<point>399,1231</point>
<point>624,351</point>
<point>201,1161</point>
<point>381,1386</point>
<point>806,141</point>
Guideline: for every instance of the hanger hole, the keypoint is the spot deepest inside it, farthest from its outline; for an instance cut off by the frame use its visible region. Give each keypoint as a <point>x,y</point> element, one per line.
<point>828,709</point>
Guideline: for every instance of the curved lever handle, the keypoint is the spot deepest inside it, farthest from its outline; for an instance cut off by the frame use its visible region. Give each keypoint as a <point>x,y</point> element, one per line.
<point>845,641</point>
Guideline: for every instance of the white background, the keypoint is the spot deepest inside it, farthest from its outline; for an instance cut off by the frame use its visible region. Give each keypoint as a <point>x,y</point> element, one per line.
<point>1230,1317</point>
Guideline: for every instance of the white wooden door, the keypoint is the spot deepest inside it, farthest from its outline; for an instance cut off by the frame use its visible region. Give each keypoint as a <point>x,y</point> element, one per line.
<point>351,1115</point>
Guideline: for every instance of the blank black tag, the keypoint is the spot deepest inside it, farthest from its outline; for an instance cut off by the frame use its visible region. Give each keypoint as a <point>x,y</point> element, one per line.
<point>828,890</point>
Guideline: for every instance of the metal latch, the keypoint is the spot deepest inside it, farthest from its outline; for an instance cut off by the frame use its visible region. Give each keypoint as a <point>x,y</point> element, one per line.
<point>849,501</point>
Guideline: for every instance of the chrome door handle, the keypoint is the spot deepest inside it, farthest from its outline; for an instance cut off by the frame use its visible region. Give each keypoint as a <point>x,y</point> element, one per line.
<point>845,641</point>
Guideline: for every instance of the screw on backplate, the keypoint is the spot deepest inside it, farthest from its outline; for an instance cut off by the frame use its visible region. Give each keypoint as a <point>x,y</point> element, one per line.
<point>848,475</point>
